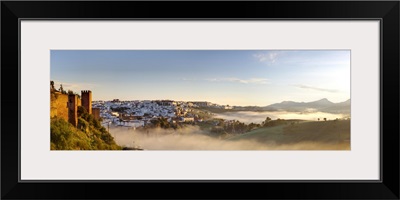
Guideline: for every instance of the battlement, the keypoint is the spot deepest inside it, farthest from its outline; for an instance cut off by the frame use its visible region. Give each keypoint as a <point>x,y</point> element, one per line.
<point>86,91</point>
<point>66,105</point>
<point>86,97</point>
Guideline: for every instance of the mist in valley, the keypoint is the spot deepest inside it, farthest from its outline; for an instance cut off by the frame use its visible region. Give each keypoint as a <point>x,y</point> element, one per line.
<point>192,138</point>
<point>258,117</point>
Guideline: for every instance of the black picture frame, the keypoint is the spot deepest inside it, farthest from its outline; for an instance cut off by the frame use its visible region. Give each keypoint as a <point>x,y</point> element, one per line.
<point>386,11</point>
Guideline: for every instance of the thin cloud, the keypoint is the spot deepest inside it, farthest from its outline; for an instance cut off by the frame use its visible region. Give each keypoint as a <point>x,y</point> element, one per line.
<point>237,80</point>
<point>316,88</point>
<point>188,79</point>
<point>269,58</point>
<point>75,87</point>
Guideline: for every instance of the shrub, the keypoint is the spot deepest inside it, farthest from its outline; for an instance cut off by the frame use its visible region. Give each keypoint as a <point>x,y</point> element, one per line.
<point>86,136</point>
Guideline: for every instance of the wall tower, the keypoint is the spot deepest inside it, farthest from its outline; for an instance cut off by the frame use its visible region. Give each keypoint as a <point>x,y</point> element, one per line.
<point>86,99</point>
<point>96,113</point>
<point>73,109</point>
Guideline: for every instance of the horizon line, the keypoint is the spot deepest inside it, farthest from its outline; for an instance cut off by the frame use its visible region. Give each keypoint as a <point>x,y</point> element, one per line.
<point>224,104</point>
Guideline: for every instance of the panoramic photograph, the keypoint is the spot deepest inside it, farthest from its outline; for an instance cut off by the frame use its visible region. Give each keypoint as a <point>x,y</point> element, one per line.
<point>143,100</point>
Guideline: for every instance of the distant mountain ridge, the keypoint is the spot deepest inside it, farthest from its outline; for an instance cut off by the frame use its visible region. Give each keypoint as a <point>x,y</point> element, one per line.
<point>323,105</point>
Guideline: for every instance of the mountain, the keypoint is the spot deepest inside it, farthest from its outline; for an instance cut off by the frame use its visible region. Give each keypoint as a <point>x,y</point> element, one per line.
<point>343,107</point>
<point>285,105</point>
<point>323,105</point>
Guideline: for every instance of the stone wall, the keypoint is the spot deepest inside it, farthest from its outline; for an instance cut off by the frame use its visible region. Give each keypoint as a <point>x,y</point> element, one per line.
<point>96,113</point>
<point>86,96</point>
<point>58,105</point>
<point>73,109</point>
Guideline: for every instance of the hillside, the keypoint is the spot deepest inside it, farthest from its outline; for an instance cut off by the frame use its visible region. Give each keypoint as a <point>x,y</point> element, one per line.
<point>89,135</point>
<point>323,105</point>
<point>328,135</point>
<point>343,107</point>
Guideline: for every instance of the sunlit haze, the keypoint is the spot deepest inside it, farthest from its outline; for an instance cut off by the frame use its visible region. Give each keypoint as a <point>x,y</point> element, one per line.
<point>233,77</point>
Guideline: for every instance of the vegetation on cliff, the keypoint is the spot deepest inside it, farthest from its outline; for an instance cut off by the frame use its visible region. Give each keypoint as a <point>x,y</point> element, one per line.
<point>88,135</point>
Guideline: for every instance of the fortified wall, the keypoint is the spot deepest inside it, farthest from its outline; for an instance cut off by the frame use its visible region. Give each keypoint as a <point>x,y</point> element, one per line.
<point>59,105</point>
<point>66,105</point>
<point>87,100</point>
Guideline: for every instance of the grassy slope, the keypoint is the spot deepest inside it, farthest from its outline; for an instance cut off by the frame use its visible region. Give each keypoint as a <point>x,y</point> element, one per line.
<point>322,135</point>
<point>64,136</point>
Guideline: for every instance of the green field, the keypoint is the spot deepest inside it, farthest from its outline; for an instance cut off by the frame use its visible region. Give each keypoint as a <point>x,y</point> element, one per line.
<point>323,135</point>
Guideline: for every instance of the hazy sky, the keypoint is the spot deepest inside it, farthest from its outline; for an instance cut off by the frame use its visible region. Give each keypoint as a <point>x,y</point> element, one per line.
<point>234,77</point>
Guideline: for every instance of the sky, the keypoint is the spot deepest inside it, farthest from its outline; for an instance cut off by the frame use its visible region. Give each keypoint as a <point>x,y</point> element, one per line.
<point>225,77</point>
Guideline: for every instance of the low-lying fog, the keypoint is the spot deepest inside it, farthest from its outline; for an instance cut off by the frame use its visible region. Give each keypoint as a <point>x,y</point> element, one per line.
<point>192,138</point>
<point>258,117</point>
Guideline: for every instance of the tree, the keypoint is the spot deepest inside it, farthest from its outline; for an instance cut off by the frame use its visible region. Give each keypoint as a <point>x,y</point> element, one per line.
<point>81,110</point>
<point>164,122</point>
<point>324,119</point>
<point>62,89</point>
<point>52,86</point>
<point>156,123</point>
<point>88,135</point>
